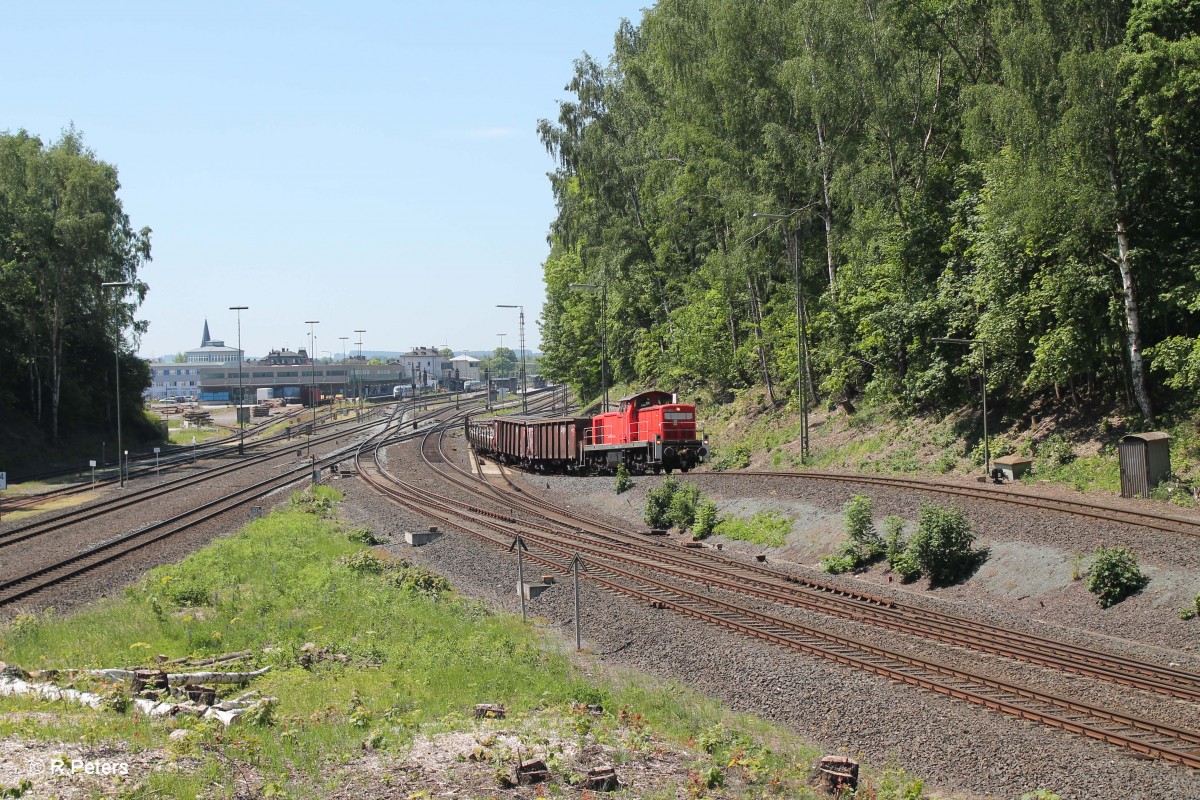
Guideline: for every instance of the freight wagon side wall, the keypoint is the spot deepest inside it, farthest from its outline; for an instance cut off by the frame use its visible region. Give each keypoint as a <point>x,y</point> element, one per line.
<point>553,441</point>
<point>508,438</point>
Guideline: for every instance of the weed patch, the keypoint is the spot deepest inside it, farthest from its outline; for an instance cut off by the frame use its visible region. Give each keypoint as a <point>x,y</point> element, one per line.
<point>766,528</point>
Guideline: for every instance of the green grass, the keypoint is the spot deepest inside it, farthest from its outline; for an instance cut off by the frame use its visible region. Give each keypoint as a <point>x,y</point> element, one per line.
<point>181,435</point>
<point>766,528</point>
<point>1099,473</point>
<point>417,661</point>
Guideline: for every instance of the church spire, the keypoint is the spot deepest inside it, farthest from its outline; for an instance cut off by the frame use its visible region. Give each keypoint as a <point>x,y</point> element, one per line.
<point>204,341</point>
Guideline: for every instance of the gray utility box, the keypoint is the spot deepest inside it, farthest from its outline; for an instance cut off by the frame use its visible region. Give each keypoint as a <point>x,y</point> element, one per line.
<point>1013,467</point>
<point>1145,461</point>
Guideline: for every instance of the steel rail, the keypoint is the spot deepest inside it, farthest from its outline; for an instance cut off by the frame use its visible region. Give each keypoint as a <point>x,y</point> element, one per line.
<point>960,632</point>
<point>781,631</point>
<point>42,526</point>
<point>107,552</point>
<point>174,456</point>
<point>823,598</point>
<point>1099,511</point>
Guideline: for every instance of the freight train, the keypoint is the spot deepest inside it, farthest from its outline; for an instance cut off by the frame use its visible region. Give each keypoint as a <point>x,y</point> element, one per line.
<point>649,431</point>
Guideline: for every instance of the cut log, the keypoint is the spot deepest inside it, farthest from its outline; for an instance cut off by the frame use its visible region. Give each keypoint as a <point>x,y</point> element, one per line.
<point>178,678</point>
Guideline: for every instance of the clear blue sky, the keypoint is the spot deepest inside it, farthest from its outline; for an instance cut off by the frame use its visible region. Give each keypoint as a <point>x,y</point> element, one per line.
<point>370,165</point>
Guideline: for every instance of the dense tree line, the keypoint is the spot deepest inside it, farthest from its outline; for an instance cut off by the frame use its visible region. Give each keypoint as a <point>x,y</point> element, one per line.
<point>1019,172</point>
<point>63,233</point>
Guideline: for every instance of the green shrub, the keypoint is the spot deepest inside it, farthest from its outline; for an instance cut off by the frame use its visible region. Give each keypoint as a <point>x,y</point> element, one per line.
<point>1187,613</point>
<point>736,457</point>
<point>1055,451</point>
<point>859,526</point>
<point>318,500</point>
<point>366,536</point>
<point>838,564</point>
<point>419,580</point>
<point>364,562</point>
<point>706,518</point>
<point>624,479</point>
<point>896,552</point>
<point>893,536</point>
<point>1114,575</point>
<point>672,503</point>
<point>1173,490</point>
<point>658,503</point>
<point>187,593</point>
<point>682,513</point>
<point>945,462</point>
<point>906,566</point>
<point>1041,794</point>
<point>768,528</point>
<point>941,547</point>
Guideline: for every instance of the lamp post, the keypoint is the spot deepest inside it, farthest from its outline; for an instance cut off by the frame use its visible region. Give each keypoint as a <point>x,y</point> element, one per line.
<point>603,289</point>
<point>357,385</point>
<point>345,377</point>
<point>241,391</point>
<point>524,386</point>
<point>312,374</point>
<point>987,453</point>
<point>793,248</point>
<point>117,359</point>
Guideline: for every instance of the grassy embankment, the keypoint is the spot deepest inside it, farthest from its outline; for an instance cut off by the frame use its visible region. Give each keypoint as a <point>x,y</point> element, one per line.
<point>883,440</point>
<point>417,659</point>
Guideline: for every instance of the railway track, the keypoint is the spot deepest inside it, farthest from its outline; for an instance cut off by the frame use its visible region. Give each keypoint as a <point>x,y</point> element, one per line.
<point>179,455</point>
<point>783,587</point>
<point>110,505</point>
<point>694,584</point>
<point>47,576</point>
<point>183,455</point>
<point>1168,523</point>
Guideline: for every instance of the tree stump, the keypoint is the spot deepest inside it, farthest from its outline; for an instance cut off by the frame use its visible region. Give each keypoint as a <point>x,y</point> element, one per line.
<point>531,772</point>
<point>838,773</point>
<point>602,779</point>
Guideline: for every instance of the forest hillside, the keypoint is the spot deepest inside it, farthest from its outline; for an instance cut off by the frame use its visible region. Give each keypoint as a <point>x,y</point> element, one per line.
<point>748,193</point>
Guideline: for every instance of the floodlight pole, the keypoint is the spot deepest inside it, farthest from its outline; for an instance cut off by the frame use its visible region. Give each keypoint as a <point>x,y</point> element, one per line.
<point>987,453</point>
<point>358,384</point>
<point>241,390</point>
<point>793,247</point>
<point>117,359</point>
<point>524,386</point>
<point>345,377</point>
<point>312,374</point>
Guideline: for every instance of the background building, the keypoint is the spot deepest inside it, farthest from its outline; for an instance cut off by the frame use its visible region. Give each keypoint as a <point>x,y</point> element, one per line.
<point>465,368</point>
<point>212,351</point>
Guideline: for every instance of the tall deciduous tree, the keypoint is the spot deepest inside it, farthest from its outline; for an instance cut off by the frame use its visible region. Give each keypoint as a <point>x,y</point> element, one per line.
<point>1022,172</point>
<point>63,232</point>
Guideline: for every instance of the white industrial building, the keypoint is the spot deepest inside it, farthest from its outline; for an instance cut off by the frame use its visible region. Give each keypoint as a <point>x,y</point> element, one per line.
<point>465,368</point>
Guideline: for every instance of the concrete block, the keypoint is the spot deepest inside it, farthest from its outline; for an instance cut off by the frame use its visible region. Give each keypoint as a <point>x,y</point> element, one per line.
<point>421,537</point>
<point>532,590</point>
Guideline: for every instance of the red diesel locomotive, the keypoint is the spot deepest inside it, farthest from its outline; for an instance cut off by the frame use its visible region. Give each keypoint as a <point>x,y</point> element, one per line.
<point>649,431</point>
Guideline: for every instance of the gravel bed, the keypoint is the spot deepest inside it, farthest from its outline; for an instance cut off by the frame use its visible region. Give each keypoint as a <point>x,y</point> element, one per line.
<point>964,750</point>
